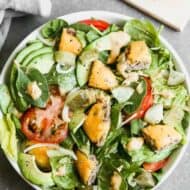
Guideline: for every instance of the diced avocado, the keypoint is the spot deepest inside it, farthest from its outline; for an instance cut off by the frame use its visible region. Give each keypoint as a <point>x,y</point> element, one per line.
<point>77,120</point>
<point>113,42</point>
<point>36,53</point>
<point>31,172</point>
<point>26,51</point>
<point>41,157</point>
<point>42,62</point>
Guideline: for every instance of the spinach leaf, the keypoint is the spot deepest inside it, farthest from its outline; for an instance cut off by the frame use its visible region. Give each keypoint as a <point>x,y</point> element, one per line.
<point>92,35</point>
<point>17,124</point>
<point>111,28</point>
<point>111,143</point>
<point>186,120</point>
<point>67,180</point>
<point>81,140</point>
<point>24,79</point>
<point>136,99</point>
<point>68,143</point>
<point>103,56</point>
<point>18,99</point>
<point>107,169</point>
<point>82,27</point>
<point>143,30</point>
<point>53,28</point>
<point>82,37</point>
<point>116,116</point>
<point>136,126</point>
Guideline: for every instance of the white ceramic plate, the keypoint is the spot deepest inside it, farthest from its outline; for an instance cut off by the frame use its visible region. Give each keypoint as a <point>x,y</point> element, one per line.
<point>112,18</point>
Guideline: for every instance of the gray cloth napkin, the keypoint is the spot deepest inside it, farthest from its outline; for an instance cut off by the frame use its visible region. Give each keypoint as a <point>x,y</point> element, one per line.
<point>17,8</point>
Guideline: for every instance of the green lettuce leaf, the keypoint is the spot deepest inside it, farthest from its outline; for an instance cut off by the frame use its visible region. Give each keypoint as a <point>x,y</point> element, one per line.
<point>145,154</point>
<point>5,99</point>
<point>8,139</point>
<point>143,30</point>
<point>53,28</point>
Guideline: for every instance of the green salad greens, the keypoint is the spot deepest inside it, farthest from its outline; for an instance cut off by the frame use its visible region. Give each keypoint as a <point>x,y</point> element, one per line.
<point>94,105</point>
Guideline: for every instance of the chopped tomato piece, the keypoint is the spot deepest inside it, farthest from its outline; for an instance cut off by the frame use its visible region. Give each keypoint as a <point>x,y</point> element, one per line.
<point>155,166</point>
<point>99,24</point>
<point>146,103</point>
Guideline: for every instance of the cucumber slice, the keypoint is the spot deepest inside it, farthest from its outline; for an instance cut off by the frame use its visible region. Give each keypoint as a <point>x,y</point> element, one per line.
<point>36,53</point>
<point>43,62</point>
<point>77,120</point>
<point>82,72</point>
<point>84,65</point>
<point>27,50</point>
<point>65,61</point>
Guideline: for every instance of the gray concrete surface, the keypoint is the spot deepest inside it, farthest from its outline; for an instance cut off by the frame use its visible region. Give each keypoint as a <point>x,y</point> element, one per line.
<point>9,179</point>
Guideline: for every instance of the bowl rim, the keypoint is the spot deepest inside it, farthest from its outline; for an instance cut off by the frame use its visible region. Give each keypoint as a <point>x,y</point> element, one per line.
<point>113,17</point>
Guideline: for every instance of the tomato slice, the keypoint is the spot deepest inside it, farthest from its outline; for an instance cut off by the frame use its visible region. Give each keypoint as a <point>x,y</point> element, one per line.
<point>44,125</point>
<point>146,103</point>
<point>100,24</point>
<point>155,166</point>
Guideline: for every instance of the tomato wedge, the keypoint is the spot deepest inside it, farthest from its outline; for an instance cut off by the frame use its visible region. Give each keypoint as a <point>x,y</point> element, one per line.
<point>99,24</point>
<point>146,103</point>
<point>44,125</point>
<point>155,166</point>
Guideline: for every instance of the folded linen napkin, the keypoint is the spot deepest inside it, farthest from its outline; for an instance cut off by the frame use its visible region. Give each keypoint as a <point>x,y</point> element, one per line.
<point>16,8</point>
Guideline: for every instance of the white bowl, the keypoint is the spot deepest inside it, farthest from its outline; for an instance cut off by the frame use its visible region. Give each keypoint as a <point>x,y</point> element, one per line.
<point>112,18</point>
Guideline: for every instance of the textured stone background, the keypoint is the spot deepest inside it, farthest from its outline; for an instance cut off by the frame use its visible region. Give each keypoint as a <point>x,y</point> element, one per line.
<point>9,179</point>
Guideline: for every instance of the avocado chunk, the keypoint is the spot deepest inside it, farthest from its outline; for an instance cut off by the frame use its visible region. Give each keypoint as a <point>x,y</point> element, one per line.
<point>26,51</point>
<point>112,42</point>
<point>31,172</point>
<point>36,53</point>
<point>77,120</point>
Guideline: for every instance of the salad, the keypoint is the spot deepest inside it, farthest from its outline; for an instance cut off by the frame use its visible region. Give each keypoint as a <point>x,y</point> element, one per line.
<point>93,105</point>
